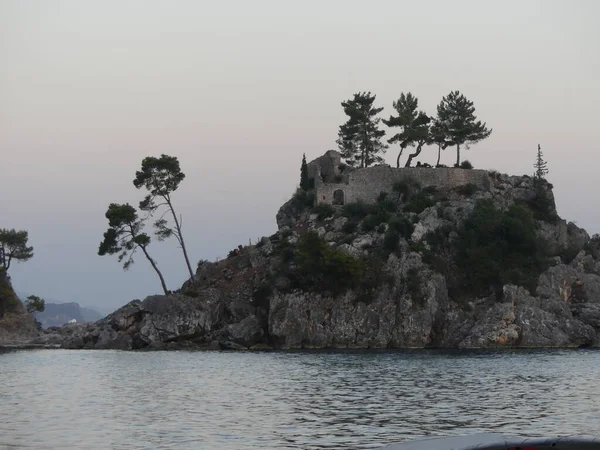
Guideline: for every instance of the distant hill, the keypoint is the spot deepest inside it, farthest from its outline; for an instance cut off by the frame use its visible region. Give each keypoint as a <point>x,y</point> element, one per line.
<point>57,314</point>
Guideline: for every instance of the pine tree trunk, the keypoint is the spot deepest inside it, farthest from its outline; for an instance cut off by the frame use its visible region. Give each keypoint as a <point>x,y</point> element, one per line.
<point>439,155</point>
<point>398,159</point>
<point>457,155</point>
<point>156,269</point>
<point>180,238</point>
<point>413,155</point>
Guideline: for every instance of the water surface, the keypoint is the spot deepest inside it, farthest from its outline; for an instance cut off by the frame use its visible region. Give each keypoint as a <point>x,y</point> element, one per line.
<point>59,399</point>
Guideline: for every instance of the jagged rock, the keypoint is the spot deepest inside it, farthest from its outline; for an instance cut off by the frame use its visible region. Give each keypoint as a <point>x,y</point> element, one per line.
<point>260,298</point>
<point>338,224</point>
<point>247,332</point>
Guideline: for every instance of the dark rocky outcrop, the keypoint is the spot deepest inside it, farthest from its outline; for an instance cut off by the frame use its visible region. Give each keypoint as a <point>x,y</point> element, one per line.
<point>405,299</point>
<point>17,326</point>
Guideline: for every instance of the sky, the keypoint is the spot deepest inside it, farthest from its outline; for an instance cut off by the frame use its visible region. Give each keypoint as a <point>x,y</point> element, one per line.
<point>239,90</point>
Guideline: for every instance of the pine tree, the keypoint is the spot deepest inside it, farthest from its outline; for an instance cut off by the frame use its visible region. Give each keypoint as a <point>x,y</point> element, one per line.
<point>460,126</point>
<point>161,177</point>
<point>541,167</point>
<point>359,139</point>
<point>413,124</point>
<point>304,183</point>
<point>438,137</point>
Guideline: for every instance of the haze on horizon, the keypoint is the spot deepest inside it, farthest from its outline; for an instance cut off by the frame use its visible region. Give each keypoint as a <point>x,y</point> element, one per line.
<point>239,90</point>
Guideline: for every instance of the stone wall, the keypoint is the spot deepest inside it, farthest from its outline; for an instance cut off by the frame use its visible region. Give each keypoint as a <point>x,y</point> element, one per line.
<point>366,184</point>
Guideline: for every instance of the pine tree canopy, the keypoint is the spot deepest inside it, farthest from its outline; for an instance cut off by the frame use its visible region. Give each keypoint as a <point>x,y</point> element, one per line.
<point>359,139</point>
<point>456,115</point>
<point>413,124</point>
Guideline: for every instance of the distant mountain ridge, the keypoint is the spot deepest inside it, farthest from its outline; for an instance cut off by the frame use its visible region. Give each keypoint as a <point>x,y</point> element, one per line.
<point>57,314</point>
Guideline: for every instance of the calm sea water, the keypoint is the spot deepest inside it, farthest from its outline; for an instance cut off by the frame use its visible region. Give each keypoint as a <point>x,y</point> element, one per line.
<point>217,400</point>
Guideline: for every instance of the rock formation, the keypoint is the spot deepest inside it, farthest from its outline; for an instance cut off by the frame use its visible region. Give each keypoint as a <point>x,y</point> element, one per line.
<point>382,276</point>
<point>17,326</point>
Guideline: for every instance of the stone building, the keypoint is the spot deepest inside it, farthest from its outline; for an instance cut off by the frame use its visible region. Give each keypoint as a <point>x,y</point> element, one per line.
<point>338,184</point>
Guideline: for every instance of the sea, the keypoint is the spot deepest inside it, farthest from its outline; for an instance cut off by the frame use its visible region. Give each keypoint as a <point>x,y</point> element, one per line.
<point>86,399</point>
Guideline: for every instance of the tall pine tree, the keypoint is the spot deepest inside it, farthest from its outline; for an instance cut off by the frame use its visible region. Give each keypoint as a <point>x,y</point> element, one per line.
<point>304,183</point>
<point>359,139</point>
<point>456,115</point>
<point>541,167</point>
<point>413,124</point>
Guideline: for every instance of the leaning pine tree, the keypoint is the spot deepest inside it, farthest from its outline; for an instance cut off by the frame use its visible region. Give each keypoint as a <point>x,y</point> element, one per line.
<point>359,139</point>
<point>413,124</point>
<point>161,177</point>
<point>125,235</point>
<point>456,116</point>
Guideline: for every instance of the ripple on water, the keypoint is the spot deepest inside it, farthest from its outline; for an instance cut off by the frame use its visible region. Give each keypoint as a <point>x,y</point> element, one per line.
<point>310,400</point>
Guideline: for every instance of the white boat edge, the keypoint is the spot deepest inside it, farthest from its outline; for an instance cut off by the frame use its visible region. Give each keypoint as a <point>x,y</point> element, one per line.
<point>495,441</point>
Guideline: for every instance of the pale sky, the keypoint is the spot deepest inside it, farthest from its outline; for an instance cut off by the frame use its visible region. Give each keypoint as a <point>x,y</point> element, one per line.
<point>238,90</point>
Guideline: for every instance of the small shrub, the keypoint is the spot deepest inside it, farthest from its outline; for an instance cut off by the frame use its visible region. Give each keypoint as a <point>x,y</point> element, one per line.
<point>391,240</point>
<point>381,228</point>
<point>429,190</point>
<point>402,225</point>
<point>262,293</point>
<point>468,189</point>
<point>466,164</point>
<point>568,255</point>
<point>358,210</point>
<point>382,196</point>
<point>388,205</point>
<point>350,227</point>
<point>190,293</point>
<point>406,188</point>
<point>372,221</point>
<point>324,211</point>
<point>303,199</point>
<point>419,203</point>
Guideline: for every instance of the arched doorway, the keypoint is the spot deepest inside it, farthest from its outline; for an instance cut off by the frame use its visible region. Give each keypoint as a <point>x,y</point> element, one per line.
<point>338,197</point>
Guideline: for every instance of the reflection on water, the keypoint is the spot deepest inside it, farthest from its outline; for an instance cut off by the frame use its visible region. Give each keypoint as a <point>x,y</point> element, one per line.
<point>218,400</point>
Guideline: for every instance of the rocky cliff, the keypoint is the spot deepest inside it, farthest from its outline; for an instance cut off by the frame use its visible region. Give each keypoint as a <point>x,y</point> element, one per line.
<point>17,326</point>
<point>462,267</point>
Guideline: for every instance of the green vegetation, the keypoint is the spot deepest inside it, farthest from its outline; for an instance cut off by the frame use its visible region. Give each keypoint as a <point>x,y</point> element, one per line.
<point>419,203</point>
<point>13,246</point>
<point>391,240</point>
<point>457,122</point>
<point>302,200</point>
<point>358,210</point>
<point>406,188</point>
<point>372,221</point>
<point>350,227</point>
<point>161,177</point>
<point>359,139</point>
<point>496,248</point>
<point>466,164</point>
<point>401,225</point>
<point>324,211</point>
<point>304,183</point>
<point>35,304</point>
<point>124,236</point>
<point>320,267</point>
<point>468,189</point>
<point>413,124</point>
<point>541,167</point>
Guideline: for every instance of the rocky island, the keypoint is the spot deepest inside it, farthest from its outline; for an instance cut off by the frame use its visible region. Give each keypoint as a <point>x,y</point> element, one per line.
<point>382,257</point>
